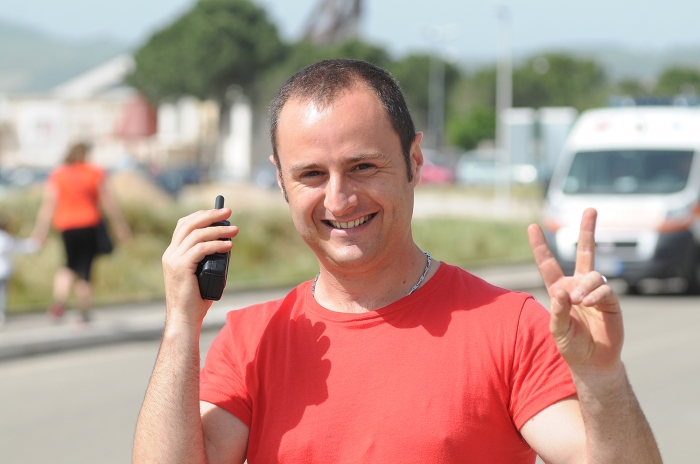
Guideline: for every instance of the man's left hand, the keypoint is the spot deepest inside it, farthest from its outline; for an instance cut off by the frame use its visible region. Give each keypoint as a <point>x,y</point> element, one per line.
<point>586,321</point>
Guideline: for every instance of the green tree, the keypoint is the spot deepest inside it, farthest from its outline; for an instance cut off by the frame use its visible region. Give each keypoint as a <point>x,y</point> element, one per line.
<point>472,109</point>
<point>413,73</point>
<point>474,89</point>
<point>556,79</point>
<point>553,79</point>
<point>631,87</point>
<point>466,131</point>
<point>215,45</point>
<point>304,53</point>
<point>676,81</point>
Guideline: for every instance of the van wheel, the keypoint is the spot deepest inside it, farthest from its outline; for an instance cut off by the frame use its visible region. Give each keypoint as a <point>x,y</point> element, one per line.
<point>632,289</point>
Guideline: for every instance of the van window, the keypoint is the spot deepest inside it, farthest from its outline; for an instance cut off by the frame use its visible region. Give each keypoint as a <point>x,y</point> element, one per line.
<point>628,172</point>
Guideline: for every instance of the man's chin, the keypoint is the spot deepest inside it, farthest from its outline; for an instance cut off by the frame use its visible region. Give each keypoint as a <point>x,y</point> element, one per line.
<point>345,256</point>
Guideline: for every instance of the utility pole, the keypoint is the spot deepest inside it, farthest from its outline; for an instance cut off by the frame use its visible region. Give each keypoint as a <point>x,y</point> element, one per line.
<point>504,101</point>
<point>438,36</point>
<point>436,101</point>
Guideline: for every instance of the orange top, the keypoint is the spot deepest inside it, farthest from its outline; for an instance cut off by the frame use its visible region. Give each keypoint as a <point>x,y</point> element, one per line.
<point>77,189</point>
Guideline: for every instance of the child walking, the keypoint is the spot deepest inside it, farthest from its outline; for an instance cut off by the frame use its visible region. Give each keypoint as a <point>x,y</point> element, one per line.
<point>10,245</point>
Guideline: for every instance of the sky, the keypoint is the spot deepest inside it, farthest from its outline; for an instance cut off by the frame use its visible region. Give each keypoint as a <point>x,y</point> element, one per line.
<point>470,26</point>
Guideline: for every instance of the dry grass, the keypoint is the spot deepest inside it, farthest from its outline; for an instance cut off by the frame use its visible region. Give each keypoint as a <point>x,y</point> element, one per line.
<point>268,252</point>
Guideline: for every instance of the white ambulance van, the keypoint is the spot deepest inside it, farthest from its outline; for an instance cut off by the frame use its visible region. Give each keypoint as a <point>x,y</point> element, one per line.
<point>640,168</point>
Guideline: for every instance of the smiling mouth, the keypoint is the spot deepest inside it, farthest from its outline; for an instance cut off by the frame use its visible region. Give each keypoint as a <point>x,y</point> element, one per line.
<point>351,224</point>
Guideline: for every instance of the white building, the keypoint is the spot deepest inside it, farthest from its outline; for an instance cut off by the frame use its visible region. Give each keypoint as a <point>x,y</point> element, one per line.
<point>97,107</point>
<point>537,136</point>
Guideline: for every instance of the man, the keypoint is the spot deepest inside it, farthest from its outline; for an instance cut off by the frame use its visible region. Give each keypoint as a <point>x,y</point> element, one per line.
<point>387,356</point>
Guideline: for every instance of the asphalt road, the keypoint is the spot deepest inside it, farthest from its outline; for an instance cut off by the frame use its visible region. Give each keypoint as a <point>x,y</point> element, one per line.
<point>81,406</point>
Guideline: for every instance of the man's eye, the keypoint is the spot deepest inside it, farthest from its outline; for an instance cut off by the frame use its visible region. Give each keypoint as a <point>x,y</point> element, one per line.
<point>310,174</point>
<point>363,167</point>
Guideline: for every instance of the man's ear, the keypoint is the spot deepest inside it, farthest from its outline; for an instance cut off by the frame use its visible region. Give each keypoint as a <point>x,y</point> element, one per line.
<point>416,156</point>
<point>280,181</point>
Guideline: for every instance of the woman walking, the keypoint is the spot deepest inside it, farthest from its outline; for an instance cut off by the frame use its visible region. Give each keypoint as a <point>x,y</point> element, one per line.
<point>73,195</point>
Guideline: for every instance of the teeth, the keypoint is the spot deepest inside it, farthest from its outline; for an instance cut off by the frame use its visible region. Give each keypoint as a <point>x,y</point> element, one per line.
<point>350,225</point>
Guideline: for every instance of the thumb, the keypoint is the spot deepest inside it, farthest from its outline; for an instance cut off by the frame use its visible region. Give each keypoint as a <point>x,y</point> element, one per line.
<point>560,322</point>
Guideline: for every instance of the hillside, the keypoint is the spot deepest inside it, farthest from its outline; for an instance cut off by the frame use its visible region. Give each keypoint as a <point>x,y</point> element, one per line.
<point>618,62</point>
<point>31,61</point>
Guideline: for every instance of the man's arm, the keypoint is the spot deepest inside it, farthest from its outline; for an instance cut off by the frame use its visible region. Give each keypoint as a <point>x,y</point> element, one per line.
<point>557,433</point>
<point>170,428</point>
<point>586,324</point>
<point>226,437</point>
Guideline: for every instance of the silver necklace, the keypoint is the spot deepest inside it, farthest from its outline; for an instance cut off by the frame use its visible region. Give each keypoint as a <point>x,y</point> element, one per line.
<point>413,289</point>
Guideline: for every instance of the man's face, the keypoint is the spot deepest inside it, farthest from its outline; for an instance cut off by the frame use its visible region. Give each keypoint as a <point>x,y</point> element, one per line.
<point>346,180</point>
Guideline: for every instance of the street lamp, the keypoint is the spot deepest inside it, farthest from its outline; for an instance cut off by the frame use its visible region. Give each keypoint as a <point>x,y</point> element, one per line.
<point>438,36</point>
<point>504,101</point>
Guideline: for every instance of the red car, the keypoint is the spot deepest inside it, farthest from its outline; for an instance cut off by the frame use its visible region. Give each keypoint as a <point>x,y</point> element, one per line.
<point>434,174</point>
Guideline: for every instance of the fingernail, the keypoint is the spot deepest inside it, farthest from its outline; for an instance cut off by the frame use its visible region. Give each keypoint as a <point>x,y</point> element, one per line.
<point>576,295</point>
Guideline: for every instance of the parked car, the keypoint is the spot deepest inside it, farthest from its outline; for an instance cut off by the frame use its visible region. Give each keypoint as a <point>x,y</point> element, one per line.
<point>174,178</point>
<point>22,176</point>
<point>470,171</point>
<point>435,174</point>
<point>436,168</point>
<point>640,169</point>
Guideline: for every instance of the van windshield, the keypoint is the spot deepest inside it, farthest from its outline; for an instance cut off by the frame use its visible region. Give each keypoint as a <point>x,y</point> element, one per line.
<point>628,172</point>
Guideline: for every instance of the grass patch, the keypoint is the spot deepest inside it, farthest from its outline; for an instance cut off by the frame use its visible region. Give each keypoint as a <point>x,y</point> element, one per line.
<point>268,252</point>
<point>519,191</point>
<point>472,242</point>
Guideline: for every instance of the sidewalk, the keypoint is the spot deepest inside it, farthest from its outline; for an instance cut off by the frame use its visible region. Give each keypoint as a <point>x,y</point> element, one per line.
<point>30,334</point>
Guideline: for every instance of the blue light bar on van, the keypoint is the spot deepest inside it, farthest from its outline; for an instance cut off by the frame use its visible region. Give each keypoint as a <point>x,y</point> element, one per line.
<point>678,100</point>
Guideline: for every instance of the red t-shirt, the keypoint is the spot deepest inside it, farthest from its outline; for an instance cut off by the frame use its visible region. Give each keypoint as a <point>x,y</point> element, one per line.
<point>77,189</point>
<point>448,374</point>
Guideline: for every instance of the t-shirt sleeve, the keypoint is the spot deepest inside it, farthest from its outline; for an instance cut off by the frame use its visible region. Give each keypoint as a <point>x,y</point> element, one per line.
<point>540,375</point>
<point>222,379</point>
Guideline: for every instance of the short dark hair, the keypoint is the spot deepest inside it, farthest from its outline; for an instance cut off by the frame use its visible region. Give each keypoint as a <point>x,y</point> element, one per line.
<point>323,81</point>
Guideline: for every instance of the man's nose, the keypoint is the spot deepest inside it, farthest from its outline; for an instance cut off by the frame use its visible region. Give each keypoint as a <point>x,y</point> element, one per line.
<point>340,196</point>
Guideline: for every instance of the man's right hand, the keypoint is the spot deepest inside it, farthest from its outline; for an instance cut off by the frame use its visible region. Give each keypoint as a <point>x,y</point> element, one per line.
<point>193,239</point>
<point>169,428</point>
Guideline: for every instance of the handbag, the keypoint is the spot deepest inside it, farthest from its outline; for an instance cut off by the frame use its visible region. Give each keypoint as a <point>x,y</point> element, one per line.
<point>103,241</point>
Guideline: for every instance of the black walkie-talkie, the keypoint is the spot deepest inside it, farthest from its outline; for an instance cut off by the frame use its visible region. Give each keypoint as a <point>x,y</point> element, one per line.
<point>213,269</point>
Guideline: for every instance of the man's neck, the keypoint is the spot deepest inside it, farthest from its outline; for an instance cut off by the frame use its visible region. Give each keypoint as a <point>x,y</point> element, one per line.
<point>369,290</point>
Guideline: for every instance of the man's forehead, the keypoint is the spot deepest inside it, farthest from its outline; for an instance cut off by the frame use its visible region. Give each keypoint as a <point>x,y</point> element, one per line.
<point>309,111</point>
<point>356,116</point>
<point>312,107</point>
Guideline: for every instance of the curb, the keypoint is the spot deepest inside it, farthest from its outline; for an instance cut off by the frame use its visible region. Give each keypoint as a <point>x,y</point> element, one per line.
<point>52,339</point>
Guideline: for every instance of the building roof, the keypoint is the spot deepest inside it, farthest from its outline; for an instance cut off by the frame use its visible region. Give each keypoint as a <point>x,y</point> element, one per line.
<point>98,80</point>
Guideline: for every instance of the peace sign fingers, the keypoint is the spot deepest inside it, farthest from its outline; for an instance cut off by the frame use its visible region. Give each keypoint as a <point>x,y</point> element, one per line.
<point>585,251</point>
<point>549,268</point>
